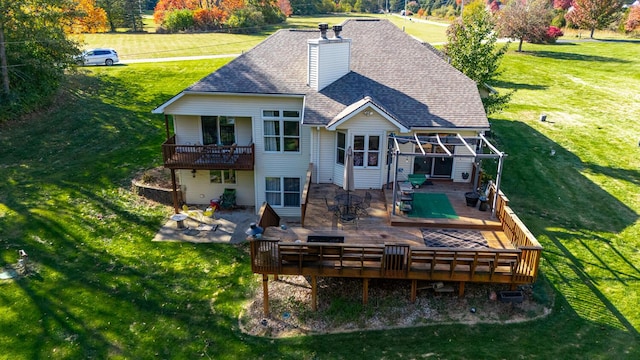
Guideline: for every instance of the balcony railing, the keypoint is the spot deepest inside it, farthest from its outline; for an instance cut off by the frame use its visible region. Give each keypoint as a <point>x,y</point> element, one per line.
<point>207,157</point>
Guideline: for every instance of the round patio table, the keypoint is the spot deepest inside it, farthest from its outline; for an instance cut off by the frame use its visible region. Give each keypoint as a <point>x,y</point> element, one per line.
<point>348,202</point>
<point>179,219</point>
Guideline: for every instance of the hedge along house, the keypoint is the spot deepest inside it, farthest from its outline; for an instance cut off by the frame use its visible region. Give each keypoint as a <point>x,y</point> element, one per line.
<point>304,97</point>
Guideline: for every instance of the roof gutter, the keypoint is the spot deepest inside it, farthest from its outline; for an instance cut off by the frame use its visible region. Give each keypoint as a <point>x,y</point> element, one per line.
<point>160,109</point>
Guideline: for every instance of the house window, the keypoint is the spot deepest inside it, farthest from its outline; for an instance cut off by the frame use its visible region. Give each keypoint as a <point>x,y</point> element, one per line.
<point>341,143</point>
<point>366,150</point>
<point>282,191</point>
<point>218,130</point>
<point>222,176</point>
<point>281,130</point>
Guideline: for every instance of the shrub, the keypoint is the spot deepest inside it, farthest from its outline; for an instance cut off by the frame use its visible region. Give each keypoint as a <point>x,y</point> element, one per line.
<point>553,33</point>
<point>559,20</point>
<point>413,7</point>
<point>245,20</point>
<point>179,20</point>
<point>548,37</point>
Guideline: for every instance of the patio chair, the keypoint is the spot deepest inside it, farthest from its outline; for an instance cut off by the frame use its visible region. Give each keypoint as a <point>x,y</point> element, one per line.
<point>366,203</point>
<point>193,213</point>
<point>335,209</point>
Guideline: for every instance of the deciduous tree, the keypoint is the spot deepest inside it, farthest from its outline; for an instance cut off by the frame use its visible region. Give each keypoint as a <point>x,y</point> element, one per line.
<point>633,21</point>
<point>90,18</point>
<point>34,52</point>
<point>562,4</point>
<point>472,49</point>
<point>165,6</point>
<point>524,19</point>
<point>593,14</point>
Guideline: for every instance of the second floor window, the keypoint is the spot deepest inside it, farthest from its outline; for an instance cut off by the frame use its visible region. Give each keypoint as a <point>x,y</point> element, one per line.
<point>281,130</point>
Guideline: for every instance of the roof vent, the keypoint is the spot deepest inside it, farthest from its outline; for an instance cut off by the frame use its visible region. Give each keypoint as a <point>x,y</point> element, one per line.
<point>323,30</point>
<point>337,29</point>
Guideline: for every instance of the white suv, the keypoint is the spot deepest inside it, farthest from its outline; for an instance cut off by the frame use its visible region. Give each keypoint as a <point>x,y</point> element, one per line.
<point>98,57</point>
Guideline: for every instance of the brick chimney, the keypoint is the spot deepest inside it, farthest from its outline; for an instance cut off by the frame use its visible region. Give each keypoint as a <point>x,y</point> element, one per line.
<point>328,58</point>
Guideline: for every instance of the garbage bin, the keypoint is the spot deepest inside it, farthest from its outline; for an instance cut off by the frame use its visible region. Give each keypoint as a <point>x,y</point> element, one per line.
<point>472,198</point>
<point>484,203</point>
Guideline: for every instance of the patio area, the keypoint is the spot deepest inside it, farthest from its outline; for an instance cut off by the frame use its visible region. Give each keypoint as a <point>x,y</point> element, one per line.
<point>380,225</point>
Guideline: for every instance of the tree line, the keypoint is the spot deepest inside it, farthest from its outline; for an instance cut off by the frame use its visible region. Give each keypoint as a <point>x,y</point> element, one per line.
<point>35,49</point>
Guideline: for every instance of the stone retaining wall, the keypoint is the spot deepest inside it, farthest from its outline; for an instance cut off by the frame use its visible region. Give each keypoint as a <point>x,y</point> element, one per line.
<point>157,194</point>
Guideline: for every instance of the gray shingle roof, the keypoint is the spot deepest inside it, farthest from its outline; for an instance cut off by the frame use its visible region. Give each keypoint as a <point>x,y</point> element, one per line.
<point>415,85</point>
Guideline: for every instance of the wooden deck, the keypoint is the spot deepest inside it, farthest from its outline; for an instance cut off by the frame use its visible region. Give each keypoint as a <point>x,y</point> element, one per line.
<point>384,245</point>
<point>380,226</point>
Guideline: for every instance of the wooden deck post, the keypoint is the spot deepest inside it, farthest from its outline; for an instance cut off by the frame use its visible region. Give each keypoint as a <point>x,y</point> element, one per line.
<point>314,293</point>
<point>265,294</point>
<point>174,191</point>
<point>365,291</point>
<point>461,289</point>
<point>414,290</point>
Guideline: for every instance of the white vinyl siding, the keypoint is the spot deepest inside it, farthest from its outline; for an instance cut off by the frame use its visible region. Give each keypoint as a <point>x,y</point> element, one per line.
<point>462,165</point>
<point>328,61</point>
<point>249,128</point>
<point>187,130</point>
<point>200,190</point>
<point>375,125</point>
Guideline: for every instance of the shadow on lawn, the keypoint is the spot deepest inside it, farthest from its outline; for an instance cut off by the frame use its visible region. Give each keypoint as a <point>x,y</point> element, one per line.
<point>576,57</point>
<point>572,213</point>
<point>103,289</point>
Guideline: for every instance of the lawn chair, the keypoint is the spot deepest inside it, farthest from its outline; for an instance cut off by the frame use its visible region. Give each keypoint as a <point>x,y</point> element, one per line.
<point>193,213</point>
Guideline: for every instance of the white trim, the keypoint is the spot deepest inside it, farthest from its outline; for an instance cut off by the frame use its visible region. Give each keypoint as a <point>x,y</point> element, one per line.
<point>358,107</point>
<point>160,109</point>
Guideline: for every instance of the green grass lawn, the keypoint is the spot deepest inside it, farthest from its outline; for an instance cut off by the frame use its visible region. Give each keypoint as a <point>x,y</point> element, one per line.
<point>152,45</point>
<point>102,289</point>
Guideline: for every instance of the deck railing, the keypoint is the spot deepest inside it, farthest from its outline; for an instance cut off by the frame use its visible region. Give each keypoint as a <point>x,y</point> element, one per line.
<point>389,261</point>
<point>207,157</point>
<point>305,194</point>
<point>519,236</point>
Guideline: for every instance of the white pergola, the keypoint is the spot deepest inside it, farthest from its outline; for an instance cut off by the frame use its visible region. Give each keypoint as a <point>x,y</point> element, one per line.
<point>476,145</point>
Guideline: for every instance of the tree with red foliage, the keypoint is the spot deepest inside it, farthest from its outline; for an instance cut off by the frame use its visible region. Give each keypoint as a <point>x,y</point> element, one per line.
<point>285,7</point>
<point>593,14</point>
<point>209,19</point>
<point>633,21</point>
<point>562,4</point>
<point>524,20</point>
<point>165,6</point>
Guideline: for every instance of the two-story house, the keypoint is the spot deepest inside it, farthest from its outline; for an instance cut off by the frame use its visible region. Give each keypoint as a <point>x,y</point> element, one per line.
<point>304,97</point>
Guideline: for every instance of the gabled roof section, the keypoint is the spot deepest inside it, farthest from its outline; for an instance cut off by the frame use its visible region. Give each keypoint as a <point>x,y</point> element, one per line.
<point>359,106</point>
<point>415,86</point>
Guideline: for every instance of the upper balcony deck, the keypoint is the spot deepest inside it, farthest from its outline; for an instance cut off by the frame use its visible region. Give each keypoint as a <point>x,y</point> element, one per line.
<point>207,157</point>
